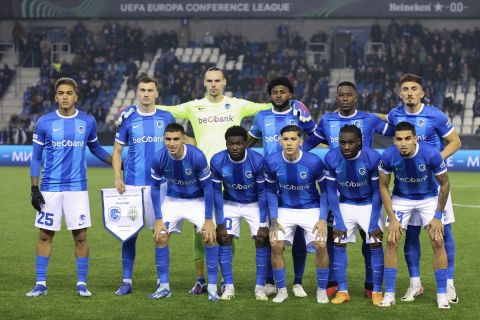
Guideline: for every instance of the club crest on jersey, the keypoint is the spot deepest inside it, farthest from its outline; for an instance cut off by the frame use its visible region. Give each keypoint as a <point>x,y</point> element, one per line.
<point>114,213</point>
<point>303,175</point>
<point>356,123</point>
<point>362,171</point>
<point>81,129</point>
<point>248,174</point>
<point>292,122</point>
<point>421,167</point>
<point>421,122</point>
<point>132,213</point>
<point>188,171</point>
<point>82,220</point>
<point>159,124</point>
<point>227,106</point>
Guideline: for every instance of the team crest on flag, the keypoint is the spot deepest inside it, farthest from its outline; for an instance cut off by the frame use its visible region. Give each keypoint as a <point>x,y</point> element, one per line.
<point>362,171</point>
<point>123,213</point>
<point>188,171</point>
<point>159,124</point>
<point>303,175</point>
<point>81,129</point>
<point>421,167</point>
<point>248,174</point>
<point>421,122</point>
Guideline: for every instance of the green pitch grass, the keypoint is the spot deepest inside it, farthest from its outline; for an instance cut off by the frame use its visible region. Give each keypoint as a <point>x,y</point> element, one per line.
<point>17,268</point>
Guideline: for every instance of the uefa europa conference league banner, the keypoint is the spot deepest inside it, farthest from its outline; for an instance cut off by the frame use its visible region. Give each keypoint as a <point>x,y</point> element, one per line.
<point>61,9</point>
<point>16,155</point>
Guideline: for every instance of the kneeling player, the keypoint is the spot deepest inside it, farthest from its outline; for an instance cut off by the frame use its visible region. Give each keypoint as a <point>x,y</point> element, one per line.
<point>241,173</point>
<point>189,197</point>
<point>417,167</point>
<point>294,201</point>
<point>353,196</point>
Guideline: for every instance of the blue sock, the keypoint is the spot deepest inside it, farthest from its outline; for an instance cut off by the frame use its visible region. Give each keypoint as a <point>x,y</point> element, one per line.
<point>377,268</point>
<point>225,258</point>
<point>450,249</point>
<point>279,276</point>
<point>128,257</point>
<point>390,275</point>
<point>340,266</point>
<point>331,273</point>
<point>262,259</point>
<point>367,256</point>
<point>299,255</point>
<point>211,259</point>
<point>162,260</point>
<point>41,267</point>
<point>322,278</point>
<point>82,269</point>
<point>441,280</point>
<point>412,251</point>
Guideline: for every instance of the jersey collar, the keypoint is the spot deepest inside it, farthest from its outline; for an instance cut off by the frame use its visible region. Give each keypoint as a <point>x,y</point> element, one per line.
<point>294,161</point>
<point>146,114</point>
<point>347,117</point>
<point>415,153</point>
<point>243,160</point>
<point>282,112</point>
<point>356,157</point>
<point>415,113</point>
<point>182,157</point>
<point>68,117</point>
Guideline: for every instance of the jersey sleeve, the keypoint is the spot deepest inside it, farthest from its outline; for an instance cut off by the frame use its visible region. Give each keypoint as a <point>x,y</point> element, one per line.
<point>157,168</point>
<point>382,127</point>
<point>216,175</point>
<point>181,111</point>
<point>308,127</point>
<point>121,136</point>
<point>391,117</point>
<point>384,165</point>
<point>201,167</point>
<point>92,135</point>
<point>249,108</point>
<point>442,124</point>
<point>375,162</point>
<point>39,136</point>
<point>436,163</point>
<point>328,168</point>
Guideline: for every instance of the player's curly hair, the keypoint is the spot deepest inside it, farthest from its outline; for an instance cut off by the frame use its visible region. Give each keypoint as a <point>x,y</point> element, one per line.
<point>280,81</point>
<point>236,131</point>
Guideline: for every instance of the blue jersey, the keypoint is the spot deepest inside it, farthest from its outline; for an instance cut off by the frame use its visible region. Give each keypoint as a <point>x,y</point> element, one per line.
<point>268,123</point>
<point>144,135</point>
<point>240,178</point>
<point>63,140</point>
<point>353,176</point>
<point>295,182</point>
<point>414,176</point>
<point>184,176</point>
<point>328,129</point>
<point>431,124</point>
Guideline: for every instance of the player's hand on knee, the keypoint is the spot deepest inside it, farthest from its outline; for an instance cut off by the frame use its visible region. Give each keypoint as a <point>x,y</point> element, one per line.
<point>376,235</point>
<point>274,228</point>
<point>222,234</point>
<point>208,232</point>
<point>435,229</point>
<point>160,232</point>
<point>395,231</point>
<point>37,198</point>
<point>124,115</point>
<point>338,235</point>
<point>120,185</point>
<point>320,231</point>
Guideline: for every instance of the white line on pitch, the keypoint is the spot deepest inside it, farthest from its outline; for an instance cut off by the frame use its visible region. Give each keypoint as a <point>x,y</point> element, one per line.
<point>466,205</point>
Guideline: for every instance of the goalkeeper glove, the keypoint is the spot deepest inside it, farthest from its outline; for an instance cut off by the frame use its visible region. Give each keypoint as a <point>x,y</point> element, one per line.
<point>37,198</point>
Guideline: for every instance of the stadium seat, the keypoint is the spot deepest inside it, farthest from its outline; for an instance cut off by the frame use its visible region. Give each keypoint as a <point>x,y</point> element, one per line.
<point>109,117</point>
<point>216,51</point>
<point>194,58</point>
<point>468,114</point>
<point>197,51</point>
<point>204,58</point>
<point>185,58</point>
<point>229,65</point>
<point>188,51</point>
<point>130,95</point>
<point>239,66</point>
<point>207,51</point>
<point>457,121</point>
<point>144,65</point>
<point>213,59</point>
<point>467,129</point>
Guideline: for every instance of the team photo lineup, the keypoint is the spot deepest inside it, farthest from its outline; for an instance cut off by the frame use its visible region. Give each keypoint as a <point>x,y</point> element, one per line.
<point>286,194</point>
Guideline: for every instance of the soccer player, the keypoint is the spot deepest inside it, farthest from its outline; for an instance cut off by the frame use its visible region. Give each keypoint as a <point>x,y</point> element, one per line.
<point>63,135</point>
<point>241,172</point>
<point>143,132</point>
<point>189,197</point>
<point>433,127</point>
<point>294,202</point>
<point>210,118</point>
<point>417,167</point>
<point>266,126</point>
<point>327,132</point>
<point>353,196</point>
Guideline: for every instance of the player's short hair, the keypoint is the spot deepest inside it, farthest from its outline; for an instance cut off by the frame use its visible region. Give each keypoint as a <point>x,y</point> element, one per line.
<point>410,77</point>
<point>147,79</point>
<point>215,68</point>
<point>280,81</point>
<point>291,128</point>
<point>352,129</point>
<point>347,84</point>
<point>405,126</point>
<point>174,127</point>
<point>236,131</point>
<point>66,81</point>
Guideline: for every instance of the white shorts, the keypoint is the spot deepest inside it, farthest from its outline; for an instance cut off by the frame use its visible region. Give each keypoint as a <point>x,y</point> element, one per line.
<point>175,210</point>
<point>290,219</point>
<point>233,213</point>
<point>447,217</point>
<point>73,204</point>
<point>405,208</point>
<point>355,216</point>
<point>149,214</point>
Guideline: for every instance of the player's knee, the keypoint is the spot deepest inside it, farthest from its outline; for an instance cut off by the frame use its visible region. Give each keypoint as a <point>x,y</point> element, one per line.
<point>261,241</point>
<point>393,245</point>
<point>162,240</point>
<point>320,247</point>
<point>45,235</point>
<point>376,245</point>
<point>277,247</point>
<point>224,240</point>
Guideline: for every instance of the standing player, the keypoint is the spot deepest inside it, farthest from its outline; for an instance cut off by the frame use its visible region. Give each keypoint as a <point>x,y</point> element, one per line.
<point>189,197</point>
<point>327,132</point>
<point>241,173</point>
<point>210,118</point>
<point>294,202</point>
<point>433,127</point>
<point>143,132</point>
<point>63,135</point>
<point>354,198</point>
<point>416,166</point>
<point>266,126</point>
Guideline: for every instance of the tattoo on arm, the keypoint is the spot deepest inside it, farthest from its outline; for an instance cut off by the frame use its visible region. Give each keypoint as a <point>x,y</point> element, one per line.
<point>444,190</point>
